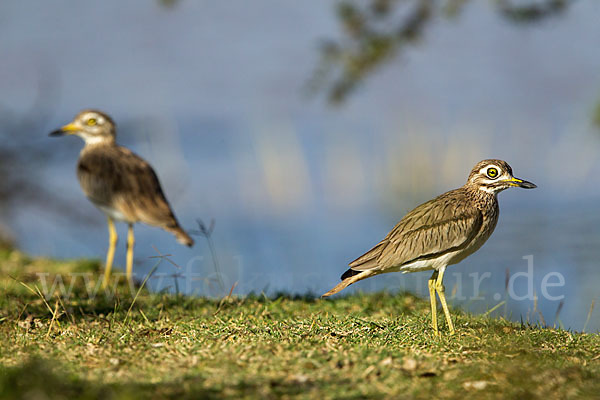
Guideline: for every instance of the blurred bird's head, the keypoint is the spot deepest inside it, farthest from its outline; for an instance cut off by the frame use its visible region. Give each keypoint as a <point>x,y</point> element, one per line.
<point>493,176</point>
<point>92,126</point>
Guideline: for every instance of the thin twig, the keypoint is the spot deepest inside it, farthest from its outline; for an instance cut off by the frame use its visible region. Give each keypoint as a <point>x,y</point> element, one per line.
<point>38,293</point>
<point>141,287</point>
<point>488,312</point>
<point>53,319</point>
<point>207,233</point>
<point>558,310</point>
<point>589,316</point>
<point>542,320</point>
<point>225,298</point>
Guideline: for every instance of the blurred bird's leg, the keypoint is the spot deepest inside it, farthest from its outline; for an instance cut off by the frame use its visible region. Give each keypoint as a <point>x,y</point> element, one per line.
<point>439,287</point>
<point>130,243</point>
<point>110,255</point>
<point>431,283</point>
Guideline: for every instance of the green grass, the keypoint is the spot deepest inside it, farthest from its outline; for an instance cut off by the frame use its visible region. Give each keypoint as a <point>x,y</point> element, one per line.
<point>365,346</point>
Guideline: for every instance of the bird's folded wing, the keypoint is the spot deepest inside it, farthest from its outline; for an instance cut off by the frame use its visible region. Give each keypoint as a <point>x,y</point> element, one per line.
<point>433,229</point>
<point>120,179</point>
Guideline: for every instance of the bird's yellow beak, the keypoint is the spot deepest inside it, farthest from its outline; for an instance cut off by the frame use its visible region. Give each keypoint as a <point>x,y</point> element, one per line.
<point>520,183</point>
<point>68,129</point>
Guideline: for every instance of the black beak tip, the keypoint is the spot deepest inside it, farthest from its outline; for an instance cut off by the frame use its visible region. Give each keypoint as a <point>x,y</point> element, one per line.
<point>528,185</point>
<point>55,133</point>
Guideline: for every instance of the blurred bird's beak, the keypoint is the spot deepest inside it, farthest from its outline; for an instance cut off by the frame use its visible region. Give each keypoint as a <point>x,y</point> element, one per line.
<point>520,183</point>
<point>68,129</point>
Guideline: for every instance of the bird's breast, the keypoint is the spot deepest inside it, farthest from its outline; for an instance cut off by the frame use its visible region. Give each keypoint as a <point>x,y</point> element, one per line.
<point>490,219</point>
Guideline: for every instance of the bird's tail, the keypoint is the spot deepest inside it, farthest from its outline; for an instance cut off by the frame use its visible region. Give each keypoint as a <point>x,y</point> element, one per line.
<point>181,236</point>
<point>348,279</point>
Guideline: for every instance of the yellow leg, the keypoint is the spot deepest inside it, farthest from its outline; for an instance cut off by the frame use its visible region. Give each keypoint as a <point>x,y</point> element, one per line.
<point>431,283</point>
<point>130,243</point>
<point>439,288</point>
<point>110,255</point>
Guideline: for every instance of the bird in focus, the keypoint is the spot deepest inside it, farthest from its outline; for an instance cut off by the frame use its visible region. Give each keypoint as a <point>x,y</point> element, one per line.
<point>440,232</point>
<point>120,183</point>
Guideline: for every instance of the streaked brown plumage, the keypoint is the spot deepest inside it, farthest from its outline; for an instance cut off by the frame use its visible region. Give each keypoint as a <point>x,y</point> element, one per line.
<point>119,182</point>
<point>114,177</point>
<point>440,232</point>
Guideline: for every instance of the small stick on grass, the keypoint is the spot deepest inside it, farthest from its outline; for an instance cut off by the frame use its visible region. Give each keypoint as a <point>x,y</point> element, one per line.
<point>54,313</point>
<point>491,310</point>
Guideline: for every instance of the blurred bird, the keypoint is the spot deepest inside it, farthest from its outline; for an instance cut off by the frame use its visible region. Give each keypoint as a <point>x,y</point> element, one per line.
<point>440,232</point>
<point>120,183</point>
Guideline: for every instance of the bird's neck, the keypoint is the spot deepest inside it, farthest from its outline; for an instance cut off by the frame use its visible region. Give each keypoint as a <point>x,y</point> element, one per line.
<point>482,197</point>
<point>97,146</point>
<point>99,141</point>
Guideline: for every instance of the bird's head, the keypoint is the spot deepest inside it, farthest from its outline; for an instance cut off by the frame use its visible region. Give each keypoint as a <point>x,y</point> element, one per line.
<point>493,176</point>
<point>91,125</point>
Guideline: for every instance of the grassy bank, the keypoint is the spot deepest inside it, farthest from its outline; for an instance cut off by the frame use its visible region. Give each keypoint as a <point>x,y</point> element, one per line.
<point>375,346</point>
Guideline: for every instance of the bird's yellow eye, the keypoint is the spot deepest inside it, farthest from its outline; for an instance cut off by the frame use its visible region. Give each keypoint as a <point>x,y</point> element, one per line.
<point>492,173</point>
<point>91,122</point>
